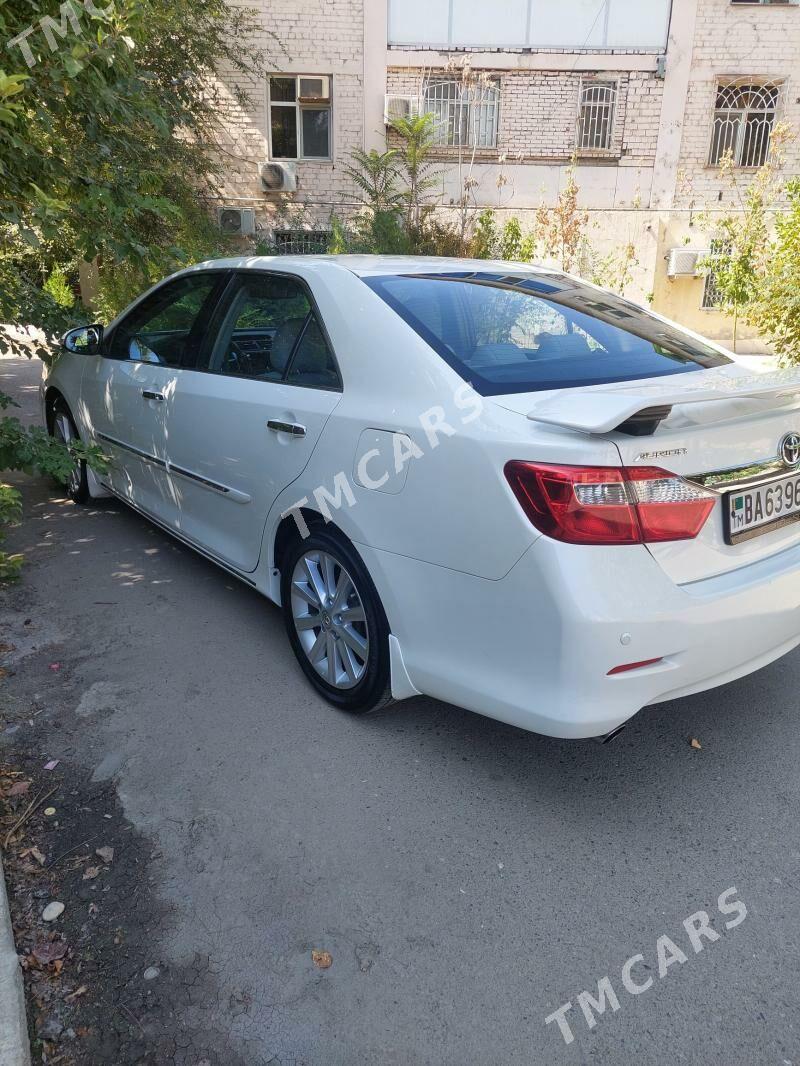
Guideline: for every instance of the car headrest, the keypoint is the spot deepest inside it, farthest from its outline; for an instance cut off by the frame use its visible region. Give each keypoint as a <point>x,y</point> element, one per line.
<point>283,342</point>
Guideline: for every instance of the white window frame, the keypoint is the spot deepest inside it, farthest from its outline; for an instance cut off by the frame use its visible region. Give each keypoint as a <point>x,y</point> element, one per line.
<point>737,119</point>
<point>595,107</point>
<point>298,107</point>
<point>462,111</point>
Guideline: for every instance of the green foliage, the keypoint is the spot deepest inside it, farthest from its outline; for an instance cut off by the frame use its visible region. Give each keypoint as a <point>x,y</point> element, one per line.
<point>122,280</point>
<point>741,260</point>
<point>775,307</point>
<point>32,450</point>
<point>485,239</point>
<point>740,246</point>
<point>10,512</point>
<point>57,286</point>
<point>417,135</point>
<point>108,138</point>
<point>375,175</point>
<point>614,270</point>
<point>339,237</point>
<point>511,239</point>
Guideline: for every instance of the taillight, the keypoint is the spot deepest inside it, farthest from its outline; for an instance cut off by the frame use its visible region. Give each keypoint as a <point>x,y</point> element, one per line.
<point>609,505</point>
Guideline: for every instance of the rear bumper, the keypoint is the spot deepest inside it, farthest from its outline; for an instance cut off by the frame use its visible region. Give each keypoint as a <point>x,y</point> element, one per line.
<point>534,649</point>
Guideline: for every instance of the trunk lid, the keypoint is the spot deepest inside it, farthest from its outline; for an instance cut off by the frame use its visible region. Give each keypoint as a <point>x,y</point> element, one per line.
<point>724,419</point>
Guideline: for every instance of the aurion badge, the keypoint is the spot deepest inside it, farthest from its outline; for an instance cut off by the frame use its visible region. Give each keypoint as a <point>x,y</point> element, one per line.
<point>789,449</point>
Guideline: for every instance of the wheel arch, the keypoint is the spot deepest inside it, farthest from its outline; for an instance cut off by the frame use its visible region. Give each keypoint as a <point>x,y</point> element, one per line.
<point>51,396</point>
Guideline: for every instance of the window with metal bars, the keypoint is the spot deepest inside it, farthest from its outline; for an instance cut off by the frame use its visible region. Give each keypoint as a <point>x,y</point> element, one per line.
<point>744,116</point>
<point>712,297</point>
<point>301,241</point>
<point>596,114</point>
<point>464,115</point>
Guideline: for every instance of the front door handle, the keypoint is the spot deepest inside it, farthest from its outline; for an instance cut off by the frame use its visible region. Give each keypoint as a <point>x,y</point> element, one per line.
<point>148,395</point>
<point>294,429</point>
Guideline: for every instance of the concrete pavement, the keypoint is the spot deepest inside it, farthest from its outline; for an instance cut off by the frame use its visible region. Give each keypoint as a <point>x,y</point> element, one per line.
<point>467,878</point>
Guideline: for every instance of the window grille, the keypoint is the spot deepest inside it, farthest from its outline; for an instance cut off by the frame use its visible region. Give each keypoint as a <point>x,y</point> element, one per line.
<point>712,297</point>
<point>744,117</point>
<point>464,116</point>
<point>598,106</point>
<point>301,241</point>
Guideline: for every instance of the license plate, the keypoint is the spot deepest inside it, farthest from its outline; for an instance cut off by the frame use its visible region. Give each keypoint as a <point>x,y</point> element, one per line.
<point>751,512</point>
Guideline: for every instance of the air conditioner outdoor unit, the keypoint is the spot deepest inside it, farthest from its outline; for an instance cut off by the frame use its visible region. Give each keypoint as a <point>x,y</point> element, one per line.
<point>399,107</point>
<point>237,221</point>
<point>314,90</point>
<point>278,177</point>
<point>684,262</point>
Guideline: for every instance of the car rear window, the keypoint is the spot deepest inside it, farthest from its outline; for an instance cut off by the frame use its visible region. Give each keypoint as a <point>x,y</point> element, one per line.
<point>518,333</point>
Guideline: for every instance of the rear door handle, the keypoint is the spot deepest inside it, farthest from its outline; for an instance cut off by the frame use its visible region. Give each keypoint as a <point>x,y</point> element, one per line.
<point>148,395</point>
<point>294,429</point>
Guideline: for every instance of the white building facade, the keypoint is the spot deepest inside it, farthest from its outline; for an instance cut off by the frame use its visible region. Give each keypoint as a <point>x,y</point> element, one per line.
<point>639,99</point>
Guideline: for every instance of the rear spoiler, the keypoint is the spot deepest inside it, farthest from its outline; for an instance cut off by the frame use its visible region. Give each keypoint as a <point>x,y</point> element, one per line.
<point>638,410</point>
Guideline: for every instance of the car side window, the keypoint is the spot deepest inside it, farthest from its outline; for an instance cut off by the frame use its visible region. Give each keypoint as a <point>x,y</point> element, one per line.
<point>313,364</point>
<point>260,328</point>
<point>167,327</point>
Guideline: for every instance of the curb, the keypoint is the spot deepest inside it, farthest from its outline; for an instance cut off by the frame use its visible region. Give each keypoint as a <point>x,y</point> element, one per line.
<point>14,1047</point>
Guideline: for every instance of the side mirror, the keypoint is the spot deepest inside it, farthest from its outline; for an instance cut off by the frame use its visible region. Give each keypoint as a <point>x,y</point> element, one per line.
<point>84,340</point>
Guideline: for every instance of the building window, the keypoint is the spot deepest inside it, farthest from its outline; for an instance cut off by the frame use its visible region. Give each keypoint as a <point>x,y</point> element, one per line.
<point>598,105</point>
<point>301,241</point>
<point>744,116</point>
<point>712,297</point>
<point>464,115</point>
<point>299,117</point>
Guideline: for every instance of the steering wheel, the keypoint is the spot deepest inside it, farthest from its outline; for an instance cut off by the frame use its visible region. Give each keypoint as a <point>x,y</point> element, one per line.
<point>236,360</point>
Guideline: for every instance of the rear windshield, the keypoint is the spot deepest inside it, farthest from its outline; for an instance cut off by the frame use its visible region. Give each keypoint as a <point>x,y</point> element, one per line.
<point>528,333</point>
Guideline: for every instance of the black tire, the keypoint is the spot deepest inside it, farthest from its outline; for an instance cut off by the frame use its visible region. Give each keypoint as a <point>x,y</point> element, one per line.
<point>372,691</point>
<point>78,487</point>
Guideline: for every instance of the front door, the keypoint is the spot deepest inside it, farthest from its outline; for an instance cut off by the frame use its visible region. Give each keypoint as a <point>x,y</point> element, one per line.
<point>245,427</point>
<point>127,391</point>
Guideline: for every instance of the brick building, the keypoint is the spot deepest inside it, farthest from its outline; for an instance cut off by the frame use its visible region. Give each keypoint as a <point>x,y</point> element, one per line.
<point>644,95</point>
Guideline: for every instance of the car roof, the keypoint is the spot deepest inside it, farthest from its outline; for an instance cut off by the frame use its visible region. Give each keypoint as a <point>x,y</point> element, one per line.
<point>373,265</point>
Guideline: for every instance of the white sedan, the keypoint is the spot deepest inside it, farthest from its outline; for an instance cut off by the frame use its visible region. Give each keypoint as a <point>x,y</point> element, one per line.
<point>485,482</point>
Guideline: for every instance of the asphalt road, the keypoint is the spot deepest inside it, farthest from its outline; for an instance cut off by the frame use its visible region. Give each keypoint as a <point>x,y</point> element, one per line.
<point>467,878</point>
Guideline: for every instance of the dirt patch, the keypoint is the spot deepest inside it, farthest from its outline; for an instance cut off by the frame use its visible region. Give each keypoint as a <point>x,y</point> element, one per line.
<point>98,989</point>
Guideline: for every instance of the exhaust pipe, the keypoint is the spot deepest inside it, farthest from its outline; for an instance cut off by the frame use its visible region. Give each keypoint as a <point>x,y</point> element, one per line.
<point>609,736</point>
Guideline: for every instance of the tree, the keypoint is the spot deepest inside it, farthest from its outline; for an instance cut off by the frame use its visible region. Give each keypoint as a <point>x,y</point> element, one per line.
<point>417,134</point>
<point>375,175</point>
<point>109,130</point>
<point>741,239</point>
<point>561,230</point>
<point>109,140</point>
<point>775,307</point>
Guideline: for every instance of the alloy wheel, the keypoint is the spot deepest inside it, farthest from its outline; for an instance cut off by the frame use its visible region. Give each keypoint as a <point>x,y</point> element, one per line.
<point>63,431</point>
<point>329,619</point>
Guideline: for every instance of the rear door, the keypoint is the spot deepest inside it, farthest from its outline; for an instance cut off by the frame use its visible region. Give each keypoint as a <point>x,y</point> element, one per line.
<point>127,390</point>
<point>243,427</point>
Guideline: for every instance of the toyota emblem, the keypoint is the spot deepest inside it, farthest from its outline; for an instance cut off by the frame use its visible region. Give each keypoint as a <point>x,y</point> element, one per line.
<point>789,449</point>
